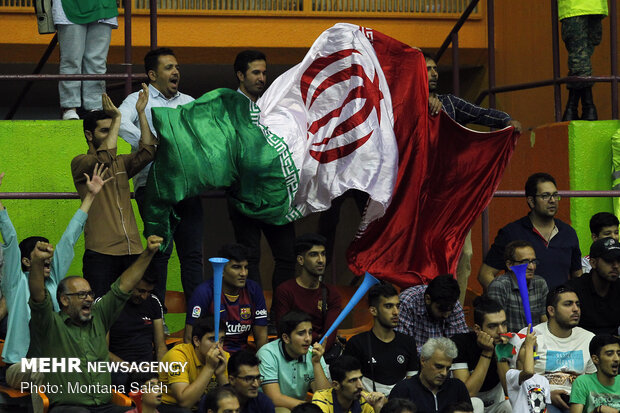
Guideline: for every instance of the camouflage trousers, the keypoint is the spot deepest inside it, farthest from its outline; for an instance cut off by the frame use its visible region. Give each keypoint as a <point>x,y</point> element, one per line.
<point>581,34</point>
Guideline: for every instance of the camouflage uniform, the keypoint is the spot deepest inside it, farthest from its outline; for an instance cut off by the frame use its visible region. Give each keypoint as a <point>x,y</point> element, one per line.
<point>581,34</point>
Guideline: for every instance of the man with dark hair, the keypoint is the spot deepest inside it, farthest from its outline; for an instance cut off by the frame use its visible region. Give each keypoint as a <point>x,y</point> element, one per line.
<point>555,243</point>
<point>221,400</point>
<point>251,72</point>
<point>138,333</point>
<point>111,234</point>
<point>79,329</point>
<point>397,405</point>
<point>242,302</point>
<point>433,389</point>
<point>321,301</point>
<point>562,347</point>
<point>306,408</point>
<point>164,75</point>
<point>386,356</point>
<point>476,364</point>
<point>464,113</point>
<point>204,368</point>
<point>505,289</point>
<point>602,225</point>
<point>17,263</point>
<point>346,392</point>
<point>245,379</point>
<point>599,392</point>
<point>288,371</point>
<point>432,310</point>
<point>250,69</point>
<point>599,290</point>
<point>460,407</point>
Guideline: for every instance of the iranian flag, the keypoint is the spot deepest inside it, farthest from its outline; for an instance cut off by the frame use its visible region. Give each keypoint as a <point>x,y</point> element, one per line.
<point>352,115</point>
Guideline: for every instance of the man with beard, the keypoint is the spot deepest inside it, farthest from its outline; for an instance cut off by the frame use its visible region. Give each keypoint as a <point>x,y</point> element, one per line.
<point>111,234</point>
<point>386,356</point>
<point>505,289</point>
<point>79,330</point>
<point>346,392</point>
<point>164,75</point>
<point>433,389</point>
<point>432,310</point>
<point>476,364</point>
<point>562,347</point>
<point>242,303</point>
<point>138,334</point>
<point>320,301</point>
<point>599,290</point>
<point>555,243</point>
<point>251,71</point>
<point>599,392</point>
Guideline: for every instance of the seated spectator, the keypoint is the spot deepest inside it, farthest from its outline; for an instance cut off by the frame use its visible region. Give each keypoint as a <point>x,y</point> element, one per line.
<point>505,289</point>
<point>17,262</point>
<point>111,234</point>
<point>242,302</point>
<point>599,392</point>
<point>346,392</point>
<point>599,290</point>
<point>306,408</point>
<point>433,389</point>
<point>555,242</point>
<point>205,369</point>
<point>397,405</point>
<point>320,301</point>
<point>602,225</point>
<point>79,329</point>
<point>476,364</point>
<point>429,311</point>
<point>245,379</point>
<point>460,407</point>
<point>386,356</point>
<point>138,333</point>
<point>527,391</point>
<point>288,371</point>
<point>221,400</point>
<point>150,391</point>
<point>562,347</point>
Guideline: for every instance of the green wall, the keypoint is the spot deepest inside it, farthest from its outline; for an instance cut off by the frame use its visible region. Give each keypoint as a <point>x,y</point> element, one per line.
<point>36,157</point>
<point>590,169</point>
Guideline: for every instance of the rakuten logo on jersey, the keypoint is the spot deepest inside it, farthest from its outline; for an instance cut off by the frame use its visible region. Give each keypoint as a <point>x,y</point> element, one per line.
<point>237,328</point>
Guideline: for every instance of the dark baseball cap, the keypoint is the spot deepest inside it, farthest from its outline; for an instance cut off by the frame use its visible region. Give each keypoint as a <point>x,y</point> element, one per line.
<point>605,248</point>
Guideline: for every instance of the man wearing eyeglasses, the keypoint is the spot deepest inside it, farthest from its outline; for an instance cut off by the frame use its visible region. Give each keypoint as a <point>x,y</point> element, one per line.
<point>555,242</point>
<point>599,290</point>
<point>245,379</point>
<point>504,289</point>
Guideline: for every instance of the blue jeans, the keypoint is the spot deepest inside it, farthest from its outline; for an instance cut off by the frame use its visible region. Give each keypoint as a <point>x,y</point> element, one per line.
<point>188,239</point>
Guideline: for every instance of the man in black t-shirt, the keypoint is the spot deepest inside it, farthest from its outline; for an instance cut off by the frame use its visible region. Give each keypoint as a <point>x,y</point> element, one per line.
<point>386,356</point>
<point>138,333</point>
<point>476,364</point>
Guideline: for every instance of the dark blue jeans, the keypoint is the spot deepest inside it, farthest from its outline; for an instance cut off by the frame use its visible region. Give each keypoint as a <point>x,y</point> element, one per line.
<point>188,239</point>
<point>101,270</point>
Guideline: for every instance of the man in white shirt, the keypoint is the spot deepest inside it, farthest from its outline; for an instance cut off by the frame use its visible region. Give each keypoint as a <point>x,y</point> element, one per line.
<point>162,68</point>
<point>562,347</point>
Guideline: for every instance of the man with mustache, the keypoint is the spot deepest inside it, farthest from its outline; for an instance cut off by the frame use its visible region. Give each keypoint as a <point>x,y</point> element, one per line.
<point>251,72</point>
<point>562,347</point>
<point>599,392</point>
<point>385,355</point>
<point>346,392</point>
<point>164,75</point>
<point>433,389</point>
<point>242,303</point>
<point>599,290</point>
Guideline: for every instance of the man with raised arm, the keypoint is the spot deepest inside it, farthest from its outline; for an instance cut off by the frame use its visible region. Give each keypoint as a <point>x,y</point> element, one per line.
<point>17,262</point>
<point>78,330</point>
<point>111,234</point>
